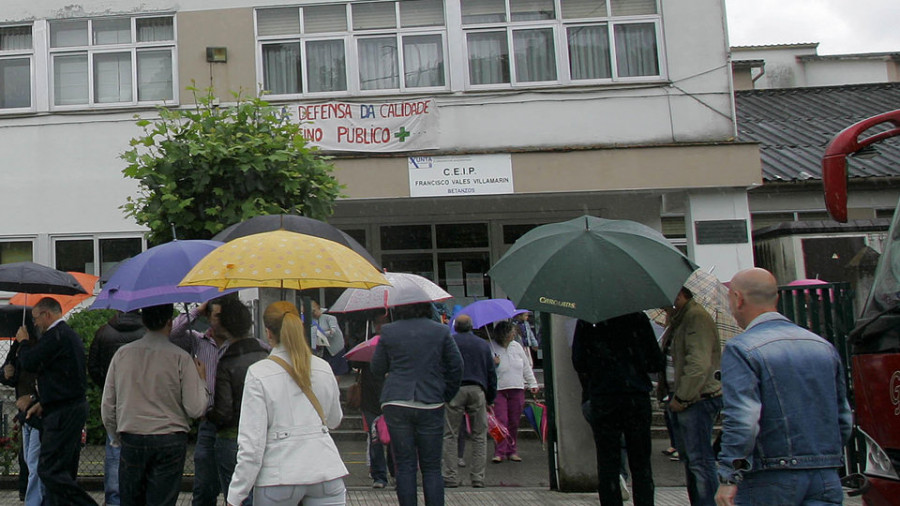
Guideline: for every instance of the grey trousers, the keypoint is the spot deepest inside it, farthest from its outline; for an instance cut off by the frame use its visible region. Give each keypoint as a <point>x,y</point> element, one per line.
<point>329,493</point>
<point>470,399</point>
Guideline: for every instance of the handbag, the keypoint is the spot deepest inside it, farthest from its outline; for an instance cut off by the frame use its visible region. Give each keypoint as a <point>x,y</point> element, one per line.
<point>354,394</point>
<point>496,429</point>
<point>379,430</point>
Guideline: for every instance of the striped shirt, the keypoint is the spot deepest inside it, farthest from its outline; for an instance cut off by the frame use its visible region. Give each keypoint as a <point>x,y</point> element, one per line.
<point>203,346</point>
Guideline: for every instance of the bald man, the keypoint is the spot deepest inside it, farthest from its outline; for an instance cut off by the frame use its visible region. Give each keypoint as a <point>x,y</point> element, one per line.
<point>786,416</point>
<point>477,389</point>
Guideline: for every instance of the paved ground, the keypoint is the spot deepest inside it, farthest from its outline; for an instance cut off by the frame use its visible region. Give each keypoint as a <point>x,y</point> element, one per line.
<point>509,483</point>
<point>665,496</point>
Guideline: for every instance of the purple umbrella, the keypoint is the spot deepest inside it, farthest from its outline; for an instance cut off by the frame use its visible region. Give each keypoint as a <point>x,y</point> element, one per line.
<point>151,278</point>
<point>487,311</point>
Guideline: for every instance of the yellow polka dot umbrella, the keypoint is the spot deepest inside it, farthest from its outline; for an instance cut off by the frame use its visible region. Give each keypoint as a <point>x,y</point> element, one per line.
<point>283,259</point>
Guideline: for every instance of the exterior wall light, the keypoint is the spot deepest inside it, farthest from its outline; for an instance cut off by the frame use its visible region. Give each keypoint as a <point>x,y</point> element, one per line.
<point>217,54</point>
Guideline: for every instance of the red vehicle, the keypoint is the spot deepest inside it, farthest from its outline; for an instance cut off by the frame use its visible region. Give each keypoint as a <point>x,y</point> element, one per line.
<point>875,342</point>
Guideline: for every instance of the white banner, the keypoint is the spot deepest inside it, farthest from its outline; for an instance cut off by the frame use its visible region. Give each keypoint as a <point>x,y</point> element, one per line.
<point>410,125</point>
<point>450,176</point>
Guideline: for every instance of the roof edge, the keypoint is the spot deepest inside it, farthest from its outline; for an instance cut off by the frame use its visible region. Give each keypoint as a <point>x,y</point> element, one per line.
<point>821,227</point>
<point>794,45</point>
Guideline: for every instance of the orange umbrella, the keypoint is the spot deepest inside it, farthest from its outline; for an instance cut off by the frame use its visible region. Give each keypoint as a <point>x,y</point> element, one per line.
<point>67,302</point>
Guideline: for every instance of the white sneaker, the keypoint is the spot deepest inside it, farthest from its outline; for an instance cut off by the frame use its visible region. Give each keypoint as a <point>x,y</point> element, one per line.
<point>624,486</point>
<point>461,463</point>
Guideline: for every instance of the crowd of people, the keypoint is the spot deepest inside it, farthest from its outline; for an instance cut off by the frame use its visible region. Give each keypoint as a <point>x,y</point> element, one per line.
<point>266,407</point>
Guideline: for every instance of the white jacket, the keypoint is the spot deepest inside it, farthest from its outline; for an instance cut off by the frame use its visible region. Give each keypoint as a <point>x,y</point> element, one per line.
<point>281,440</point>
<point>513,371</point>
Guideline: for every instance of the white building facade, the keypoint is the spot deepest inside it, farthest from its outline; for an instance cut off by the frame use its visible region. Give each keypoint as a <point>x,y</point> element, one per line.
<point>456,125</point>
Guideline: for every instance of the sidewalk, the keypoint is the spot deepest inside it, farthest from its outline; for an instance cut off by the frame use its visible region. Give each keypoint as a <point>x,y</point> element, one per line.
<point>665,496</point>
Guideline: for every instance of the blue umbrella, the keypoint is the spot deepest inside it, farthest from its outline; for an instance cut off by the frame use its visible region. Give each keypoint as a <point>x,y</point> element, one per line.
<point>488,311</point>
<point>151,278</point>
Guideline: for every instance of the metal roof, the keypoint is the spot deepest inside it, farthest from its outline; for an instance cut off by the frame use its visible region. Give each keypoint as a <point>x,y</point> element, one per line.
<point>793,126</point>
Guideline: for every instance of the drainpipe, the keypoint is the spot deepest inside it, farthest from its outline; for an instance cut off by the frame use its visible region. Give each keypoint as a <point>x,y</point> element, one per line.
<point>762,72</point>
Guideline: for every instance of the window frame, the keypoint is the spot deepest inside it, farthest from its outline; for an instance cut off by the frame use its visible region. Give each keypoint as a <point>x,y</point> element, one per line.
<point>95,239</point>
<point>133,47</point>
<point>351,38</point>
<point>433,251</point>
<point>22,54</point>
<point>560,27</point>
<point>22,239</point>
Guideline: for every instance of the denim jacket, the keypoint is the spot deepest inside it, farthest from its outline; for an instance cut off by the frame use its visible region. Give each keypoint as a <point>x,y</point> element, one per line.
<point>785,400</point>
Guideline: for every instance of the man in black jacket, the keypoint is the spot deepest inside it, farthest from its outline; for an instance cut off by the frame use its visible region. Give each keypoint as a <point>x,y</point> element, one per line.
<point>240,352</point>
<point>58,360</point>
<point>613,359</point>
<point>120,330</point>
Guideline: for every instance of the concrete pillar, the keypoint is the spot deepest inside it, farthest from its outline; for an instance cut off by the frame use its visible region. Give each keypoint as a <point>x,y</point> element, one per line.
<point>717,226</point>
<point>573,453</point>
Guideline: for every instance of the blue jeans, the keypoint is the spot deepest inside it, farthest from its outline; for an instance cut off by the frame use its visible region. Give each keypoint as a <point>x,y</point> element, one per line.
<point>417,437</point>
<point>31,441</point>
<point>151,467</point>
<point>377,461</point>
<point>226,459</point>
<point>111,473</point>
<point>693,439</point>
<point>206,474</point>
<point>809,487</point>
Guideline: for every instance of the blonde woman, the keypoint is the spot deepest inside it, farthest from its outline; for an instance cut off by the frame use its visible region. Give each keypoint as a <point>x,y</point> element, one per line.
<point>285,453</point>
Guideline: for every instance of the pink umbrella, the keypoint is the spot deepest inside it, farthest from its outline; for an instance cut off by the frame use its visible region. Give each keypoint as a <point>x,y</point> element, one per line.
<point>805,282</point>
<point>363,351</point>
<point>813,282</point>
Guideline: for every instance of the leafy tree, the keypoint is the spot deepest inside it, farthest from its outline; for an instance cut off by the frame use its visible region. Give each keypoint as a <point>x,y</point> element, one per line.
<point>203,169</point>
<point>85,323</point>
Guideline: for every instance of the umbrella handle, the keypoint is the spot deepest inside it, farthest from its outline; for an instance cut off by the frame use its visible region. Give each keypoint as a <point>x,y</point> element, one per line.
<point>24,306</point>
<point>190,329</point>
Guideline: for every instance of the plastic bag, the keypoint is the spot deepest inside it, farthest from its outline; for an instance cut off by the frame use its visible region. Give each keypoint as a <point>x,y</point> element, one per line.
<point>496,429</point>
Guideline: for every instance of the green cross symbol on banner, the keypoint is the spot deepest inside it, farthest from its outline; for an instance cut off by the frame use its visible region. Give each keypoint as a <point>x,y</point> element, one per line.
<point>402,134</point>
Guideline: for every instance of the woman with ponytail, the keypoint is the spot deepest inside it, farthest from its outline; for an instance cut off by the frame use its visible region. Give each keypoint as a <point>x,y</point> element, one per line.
<point>285,452</point>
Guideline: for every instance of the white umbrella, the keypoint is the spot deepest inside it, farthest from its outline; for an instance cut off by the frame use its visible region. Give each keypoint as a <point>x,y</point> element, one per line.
<point>404,289</point>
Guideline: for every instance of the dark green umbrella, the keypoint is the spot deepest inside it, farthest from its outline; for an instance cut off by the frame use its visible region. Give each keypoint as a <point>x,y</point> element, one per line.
<point>593,269</point>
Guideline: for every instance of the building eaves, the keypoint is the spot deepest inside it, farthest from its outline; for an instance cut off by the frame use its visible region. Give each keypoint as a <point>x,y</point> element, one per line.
<point>849,56</point>
<point>794,125</point>
<point>793,228</point>
<point>748,64</point>
<point>797,45</point>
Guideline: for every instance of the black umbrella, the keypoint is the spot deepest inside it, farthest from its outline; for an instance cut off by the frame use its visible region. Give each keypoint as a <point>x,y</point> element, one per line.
<point>11,320</point>
<point>29,277</point>
<point>294,223</point>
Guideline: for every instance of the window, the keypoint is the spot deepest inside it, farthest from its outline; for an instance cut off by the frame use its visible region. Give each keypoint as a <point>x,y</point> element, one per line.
<point>15,67</point>
<point>16,251</point>
<point>454,255</point>
<point>112,61</point>
<point>513,42</point>
<point>397,46</point>
<point>86,254</point>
